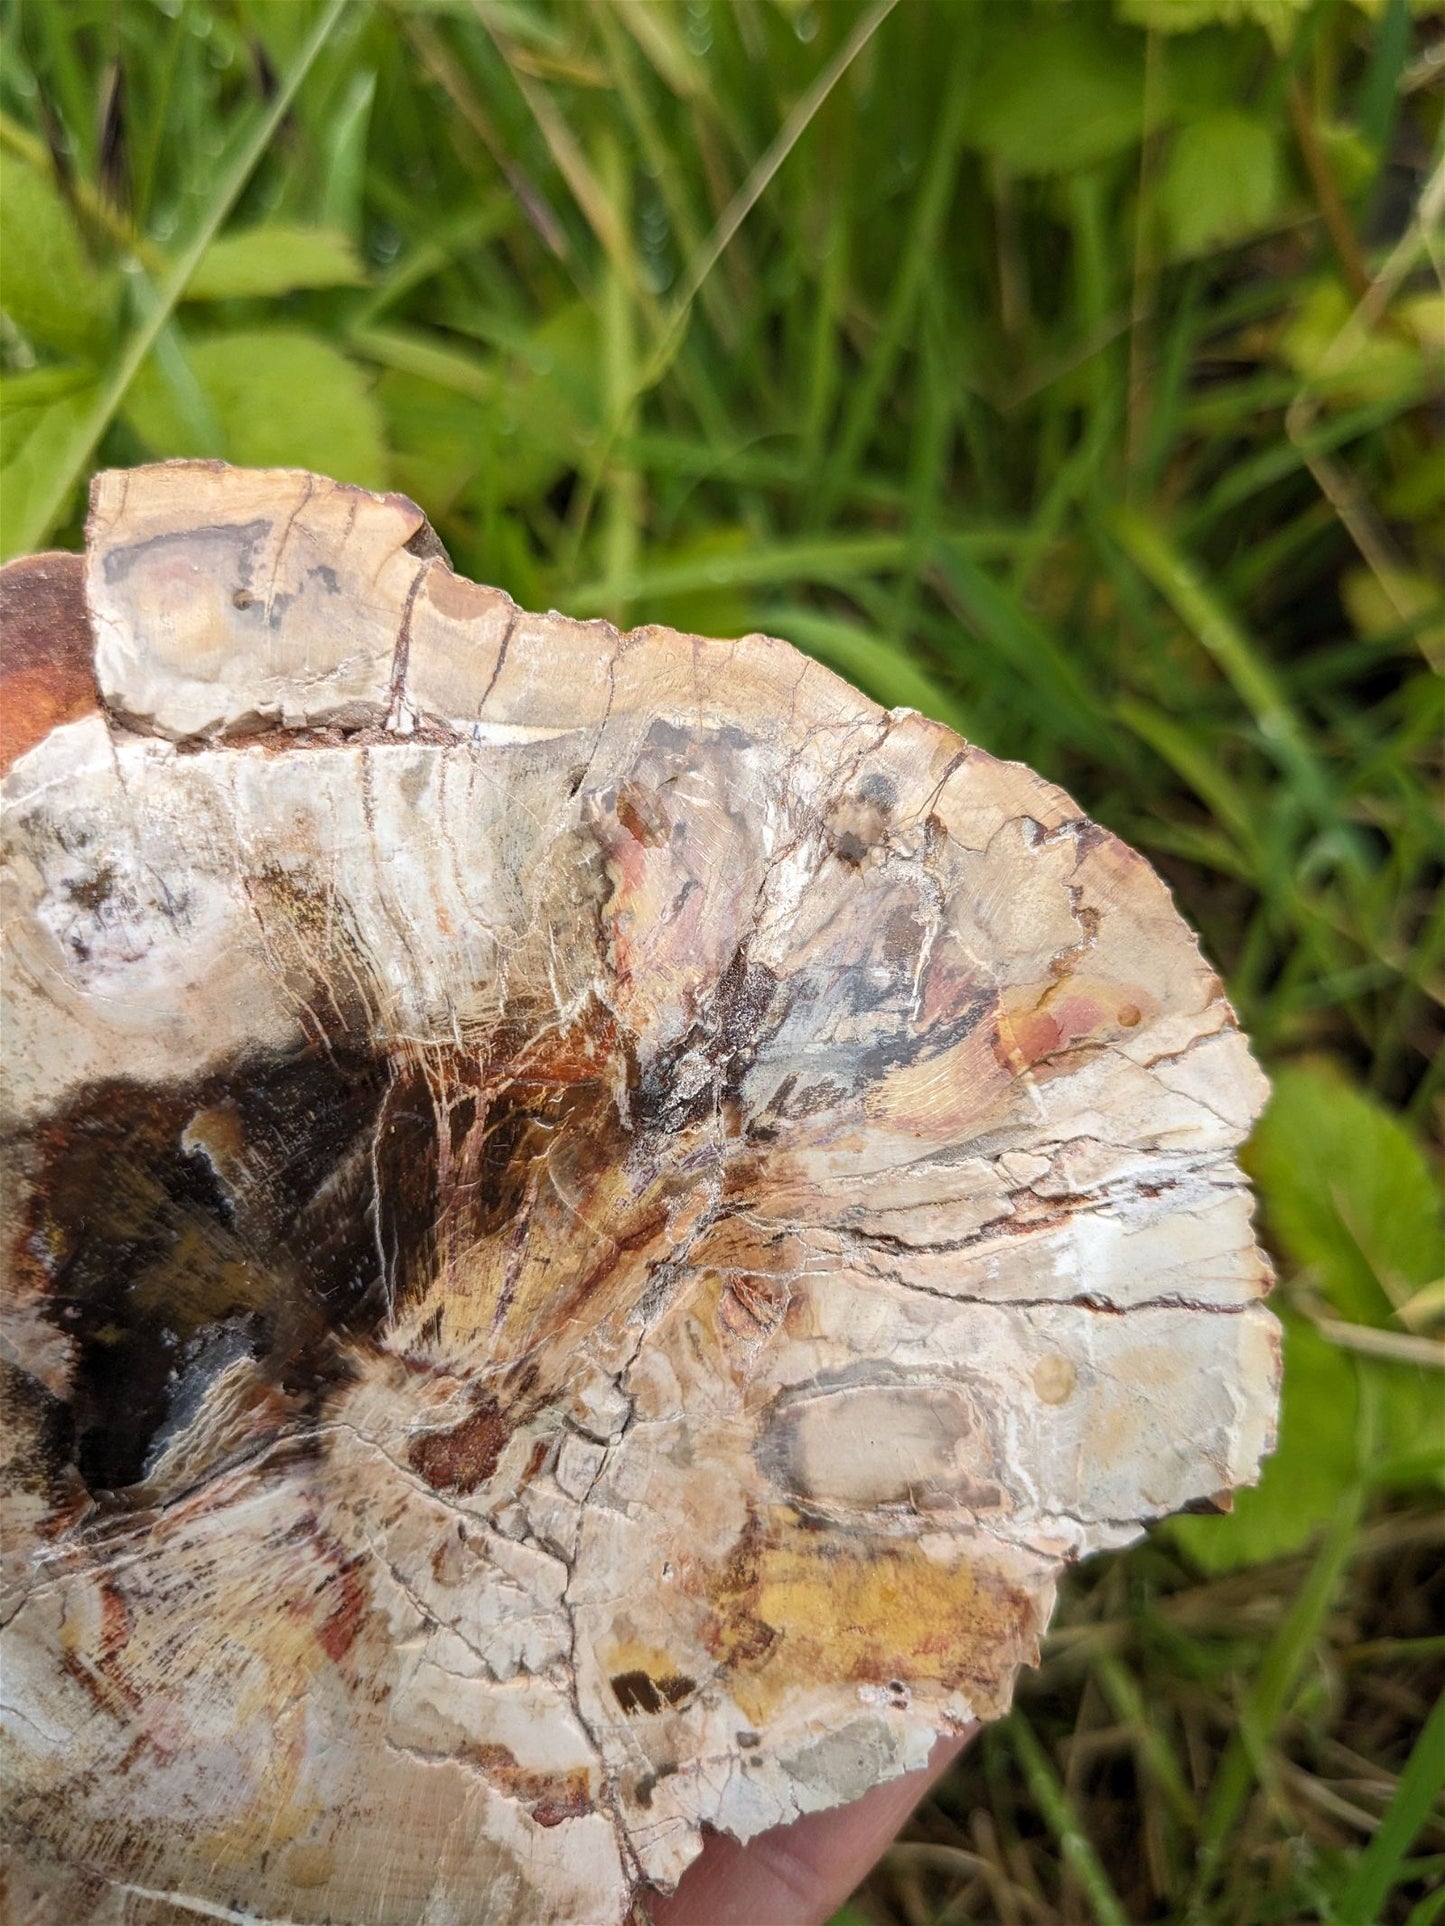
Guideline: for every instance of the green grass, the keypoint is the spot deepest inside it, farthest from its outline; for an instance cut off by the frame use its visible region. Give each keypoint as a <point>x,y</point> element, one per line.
<point>1075,379</point>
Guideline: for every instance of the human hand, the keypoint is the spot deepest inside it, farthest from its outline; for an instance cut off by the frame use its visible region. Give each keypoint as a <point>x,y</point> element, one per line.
<point>799,1875</point>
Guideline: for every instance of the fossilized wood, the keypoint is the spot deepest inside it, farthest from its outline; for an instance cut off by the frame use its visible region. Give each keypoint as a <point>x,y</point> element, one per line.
<point>590,1221</point>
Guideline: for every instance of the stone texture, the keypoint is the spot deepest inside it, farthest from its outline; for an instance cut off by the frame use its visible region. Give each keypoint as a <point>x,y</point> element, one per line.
<point>590,1220</point>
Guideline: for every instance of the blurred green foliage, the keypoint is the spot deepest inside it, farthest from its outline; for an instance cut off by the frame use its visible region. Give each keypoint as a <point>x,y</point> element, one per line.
<point>1070,370</point>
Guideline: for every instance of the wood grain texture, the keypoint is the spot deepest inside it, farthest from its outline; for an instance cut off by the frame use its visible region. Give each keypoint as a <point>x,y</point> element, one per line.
<point>590,1221</point>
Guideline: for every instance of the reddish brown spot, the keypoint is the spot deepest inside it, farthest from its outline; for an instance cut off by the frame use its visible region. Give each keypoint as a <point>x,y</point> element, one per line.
<point>573,1804</point>
<point>100,1668</point>
<point>1129,1016</point>
<point>550,1797</point>
<point>641,815</point>
<point>338,1632</point>
<point>749,1311</point>
<point>577,1053</point>
<point>464,1457</point>
<point>114,1624</point>
<point>614,1253</point>
<point>47,674</point>
<point>1036,1035</point>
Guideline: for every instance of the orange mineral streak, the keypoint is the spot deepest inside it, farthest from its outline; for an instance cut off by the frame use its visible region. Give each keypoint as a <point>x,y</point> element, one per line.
<point>550,1797</point>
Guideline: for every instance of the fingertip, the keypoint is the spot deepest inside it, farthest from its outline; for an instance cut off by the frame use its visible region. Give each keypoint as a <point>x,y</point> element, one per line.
<point>798,1875</point>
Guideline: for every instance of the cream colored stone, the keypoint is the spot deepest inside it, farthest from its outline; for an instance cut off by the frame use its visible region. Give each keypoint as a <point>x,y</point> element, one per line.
<point>607,1217</point>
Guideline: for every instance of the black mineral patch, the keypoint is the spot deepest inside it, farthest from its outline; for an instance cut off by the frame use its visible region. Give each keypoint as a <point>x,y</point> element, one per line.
<point>174,1229</point>
<point>743,1013</point>
<point>281,1211</point>
<point>640,1692</point>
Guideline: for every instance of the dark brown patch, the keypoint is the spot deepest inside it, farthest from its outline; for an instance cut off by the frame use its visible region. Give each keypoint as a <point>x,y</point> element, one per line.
<point>1216,1502</point>
<point>858,824</point>
<point>640,1692</point>
<point>464,1457</point>
<point>742,1014</point>
<point>39,1430</point>
<point>281,1209</point>
<point>172,1231</point>
<point>648,1784</point>
<point>47,672</point>
<point>450,1557</point>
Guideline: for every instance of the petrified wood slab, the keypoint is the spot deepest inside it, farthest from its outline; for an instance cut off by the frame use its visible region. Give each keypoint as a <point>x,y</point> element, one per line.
<point>590,1220</point>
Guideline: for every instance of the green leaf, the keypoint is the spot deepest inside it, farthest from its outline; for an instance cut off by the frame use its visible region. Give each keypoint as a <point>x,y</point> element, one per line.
<point>1053,1800</point>
<point>525,412</point>
<point>1279,18</point>
<point>345,141</point>
<point>1056,97</point>
<point>1349,155</point>
<point>1383,605</point>
<point>1269,1691</point>
<point>1317,1461</point>
<point>22,395</point>
<point>1350,363</point>
<point>39,412</point>
<point>1348,1194</point>
<point>722,561</point>
<point>274,259</point>
<point>1224,181</point>
<point>1351,1200</point>
<point>281,398</point>
<point>706,599</point>
<point>50,289</point>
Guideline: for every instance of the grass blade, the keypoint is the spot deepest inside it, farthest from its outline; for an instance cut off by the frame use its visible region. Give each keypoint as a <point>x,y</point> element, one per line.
<point>1380,1865</point>
<point>1027,647</point>
<point>1264,1706</point>
<point>50,503</point>
<point>882,668</point>
<point>1062,1820</point>
<point>1202,612</point>
<point>831,560</point>
<point>918,256</point>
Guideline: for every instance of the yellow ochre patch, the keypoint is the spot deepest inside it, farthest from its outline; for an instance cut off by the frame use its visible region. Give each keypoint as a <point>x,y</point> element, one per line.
<point>793,1610</point>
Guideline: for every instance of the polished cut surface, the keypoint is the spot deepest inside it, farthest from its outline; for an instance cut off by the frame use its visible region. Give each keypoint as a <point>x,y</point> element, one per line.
<point>589,1221</point>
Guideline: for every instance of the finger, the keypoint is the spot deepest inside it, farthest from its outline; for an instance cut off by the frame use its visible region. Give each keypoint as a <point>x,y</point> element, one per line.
<point>800,1874</point>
